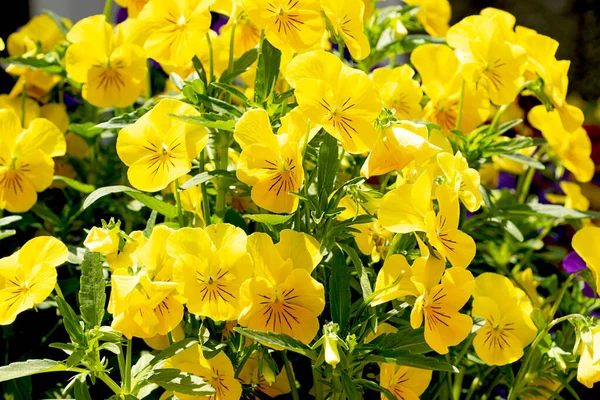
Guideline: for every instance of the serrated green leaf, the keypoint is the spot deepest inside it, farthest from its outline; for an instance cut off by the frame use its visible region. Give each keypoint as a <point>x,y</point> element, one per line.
<point>269,219</point>
<point>278,340</point>
<point>73,184</point>
<point>363,277</point>
<point>92,290</point>
<point>168,210</point>
<point>523,159</point>
<point>45,64</point>
<point>235,92</point>
<point>29,367</point>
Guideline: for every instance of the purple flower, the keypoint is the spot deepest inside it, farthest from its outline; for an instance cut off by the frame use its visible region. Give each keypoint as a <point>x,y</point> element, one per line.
<point>572,264</point>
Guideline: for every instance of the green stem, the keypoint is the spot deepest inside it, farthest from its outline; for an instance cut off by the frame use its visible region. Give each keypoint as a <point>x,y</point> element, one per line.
<point>525,182</point>
<point>461,103</point>
<point>108,10</point>
<point>260,50</point>
<point>231,56</point>
<point>558,300</point>
<point>121,360</point>
<point>59,292</point>
<point>494,124</point>
<point>290,375</point>
<point>178,201</point>
<point>127,382</point>
<point>108,380</point>
<point>222,163</point>
<point>205,203</point>
<point>170,338</point>
<point>516,387</point>
<point>210,58</point>
<point>318,388</point>
<point>341,48</point>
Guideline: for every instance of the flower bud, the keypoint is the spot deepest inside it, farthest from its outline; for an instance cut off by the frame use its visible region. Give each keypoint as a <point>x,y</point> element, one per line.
<point>332,354</point>
<point>103,240</point>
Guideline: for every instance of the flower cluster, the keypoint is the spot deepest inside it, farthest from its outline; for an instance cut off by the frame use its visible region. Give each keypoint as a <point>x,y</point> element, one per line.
<point>292,211</point>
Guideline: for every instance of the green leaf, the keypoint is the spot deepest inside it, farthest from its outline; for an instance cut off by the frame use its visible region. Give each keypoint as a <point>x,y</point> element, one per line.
<point>523,159</point>
<point>363,277</point>
<point>374,386</point>
<point>180,382</point>
<point>200,70</point>
<point>507,126</point>
<point>87,130</point>
<point>81,390</point>
<point>225,125</point>
<point>70,321</point>
<point>58,20</point>
<point>7,233</point>
<point>240,65</point>
<point>339,290</point>
<point>17,389</point>
<point>510,146</point>
<point>212,103</point>
<point>168,210</point>
<point>403,357</point>
<point>405,339</point>
<point>92,290</point>
<point>72,183</point>
<point>124,120</point>
<point>514,231</point>
<point>235,92</point>
<point>29,367</point>
<point>170,351</point>
<point>269,219</point>
<point>278,340</point>
<point>10,219</point>
<point>550,210</point>
<point>267,72</point>
<point>206,176</point>
<point>41,210</point>
<point>349,386</point>
<point>49,63</point>
<point>327,167</point>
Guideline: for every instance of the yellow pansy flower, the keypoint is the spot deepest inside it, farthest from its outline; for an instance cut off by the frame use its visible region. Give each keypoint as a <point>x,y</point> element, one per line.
<point>173,29</point>
<point>283,297</point>
<point>461,179</point>
<point>271,164</point>
<point>588,369</point>
<point>143,298</point>
<point>397,146</point>
<point>346,17</point>
<point>128,255</point>
<point>252,374</point>
<point>406,383</point>
<point>159,148</point>
<point>211,265</point>
<point>490,61</point>
<point>439,302</point>
<point>28,276</point>
<point>26,165</point>
<point>103,240</point>
<point>529,284</point>
<point>289,25</point>
<point>556,83</point>
<point>134,7</point>
<point>441,81</point>
<point>2,45</point>
<point>399,91</point>
<point>297,125</point>
<point>161,342</point>
<point>393,280</point>
<point>585,242</point>
<point>57,114</point>
<point>572,198</point>
<point>574,148</point>
<point>541,50</point>
<point>112,72</point>
<point>409,209</point>
<point>508,327</point>
<point>246,35</point>
<point>216,371</point>
<point>191,200</point>
<point>343,100</point>
<point>32,108</point>
<point>433,15</point>
<point>41,30</point>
